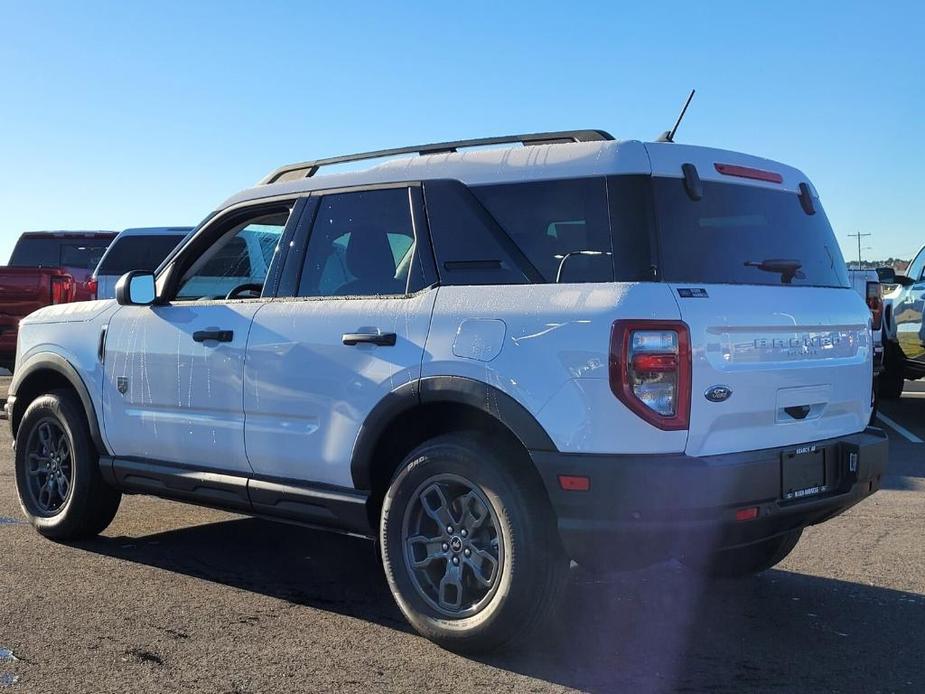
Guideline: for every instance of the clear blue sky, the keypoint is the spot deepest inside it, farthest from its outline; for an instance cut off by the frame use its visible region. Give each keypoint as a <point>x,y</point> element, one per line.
<point>128,114</point>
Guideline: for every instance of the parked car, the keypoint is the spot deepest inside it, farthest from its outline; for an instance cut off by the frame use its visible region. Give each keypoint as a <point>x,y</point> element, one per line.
<point>491,361</point>
<point>904,330</point>
<point>134,249</point>
<point>46,267</point>
<point>867,284</point>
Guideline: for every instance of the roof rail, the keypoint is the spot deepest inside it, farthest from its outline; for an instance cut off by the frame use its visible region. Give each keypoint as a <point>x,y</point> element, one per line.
<point>306,169</point>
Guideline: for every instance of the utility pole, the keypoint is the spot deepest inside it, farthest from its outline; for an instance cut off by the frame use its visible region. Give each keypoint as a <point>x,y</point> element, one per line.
<point>859,236</point>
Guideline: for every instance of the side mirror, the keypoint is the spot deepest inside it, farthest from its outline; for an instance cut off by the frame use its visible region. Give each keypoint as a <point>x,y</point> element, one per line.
<point>903,281</point>
<point>136,288</point>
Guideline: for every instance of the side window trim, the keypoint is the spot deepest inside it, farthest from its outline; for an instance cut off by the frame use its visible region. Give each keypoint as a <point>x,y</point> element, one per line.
<point>295,248</point>
<point>423,248</point>
<point>298,246</point>
<point>170,274</point>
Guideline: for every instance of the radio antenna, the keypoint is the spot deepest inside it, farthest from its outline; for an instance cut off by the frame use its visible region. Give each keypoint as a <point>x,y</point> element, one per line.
<point>668,135</point>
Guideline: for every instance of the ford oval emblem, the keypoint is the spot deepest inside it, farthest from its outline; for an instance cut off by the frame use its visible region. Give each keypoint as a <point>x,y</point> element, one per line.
<point>718,393</point>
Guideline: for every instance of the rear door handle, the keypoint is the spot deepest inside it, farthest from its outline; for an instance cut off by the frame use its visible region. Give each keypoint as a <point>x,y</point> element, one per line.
<point>216,335</point>
<point>376,338</point>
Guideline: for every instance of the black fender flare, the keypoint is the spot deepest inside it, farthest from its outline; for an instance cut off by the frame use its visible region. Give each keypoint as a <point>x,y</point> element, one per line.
<point>437,389</point>
<point>50,361</point>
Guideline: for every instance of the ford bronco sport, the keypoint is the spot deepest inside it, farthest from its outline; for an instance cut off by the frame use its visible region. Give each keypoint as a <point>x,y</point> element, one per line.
<point>490,360</point>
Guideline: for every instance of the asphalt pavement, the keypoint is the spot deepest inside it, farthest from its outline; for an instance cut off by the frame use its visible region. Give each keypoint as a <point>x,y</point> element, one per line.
<point>175,598</point>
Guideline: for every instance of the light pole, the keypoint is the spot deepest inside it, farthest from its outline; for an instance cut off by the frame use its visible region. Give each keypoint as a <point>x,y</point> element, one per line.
<point>859,236</point>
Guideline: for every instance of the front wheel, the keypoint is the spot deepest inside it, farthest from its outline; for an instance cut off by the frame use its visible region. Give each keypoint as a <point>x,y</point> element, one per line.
<point>469,547</point>
<point>58,478</point>
<point>746,561</point>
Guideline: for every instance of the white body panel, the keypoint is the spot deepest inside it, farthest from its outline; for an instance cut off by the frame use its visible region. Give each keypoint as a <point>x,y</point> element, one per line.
<point>307,394</point>
<point>777,348</point>
<point>71,331</point>
<point>554,359</point>
<point>183,399</point>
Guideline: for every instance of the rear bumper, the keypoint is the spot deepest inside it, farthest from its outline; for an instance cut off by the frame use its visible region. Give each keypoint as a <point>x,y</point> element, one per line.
<point>645,508</point>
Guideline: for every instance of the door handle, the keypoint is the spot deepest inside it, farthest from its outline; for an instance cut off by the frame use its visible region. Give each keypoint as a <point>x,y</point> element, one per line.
<point>216,335</point>
<point>376,338</point>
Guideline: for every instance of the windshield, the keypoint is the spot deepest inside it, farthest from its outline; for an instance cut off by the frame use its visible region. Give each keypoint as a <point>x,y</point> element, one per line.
<point>741,234</point>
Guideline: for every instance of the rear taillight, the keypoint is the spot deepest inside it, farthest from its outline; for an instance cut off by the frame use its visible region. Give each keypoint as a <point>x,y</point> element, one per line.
<point>650,370</point>
<point>62,290</point>
<point>875,304</point>
<point>92,287</point>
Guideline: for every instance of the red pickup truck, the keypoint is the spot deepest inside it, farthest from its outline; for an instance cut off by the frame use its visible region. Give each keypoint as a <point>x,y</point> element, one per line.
<point>46,267</point>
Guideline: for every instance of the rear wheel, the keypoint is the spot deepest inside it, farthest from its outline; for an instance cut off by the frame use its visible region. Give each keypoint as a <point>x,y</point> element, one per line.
<point>58,479</point>
<point>469,547</point>
<point>746,561</point>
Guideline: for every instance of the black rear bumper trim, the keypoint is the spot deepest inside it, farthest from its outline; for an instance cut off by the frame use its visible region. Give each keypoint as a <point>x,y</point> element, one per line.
<point>668,504</point>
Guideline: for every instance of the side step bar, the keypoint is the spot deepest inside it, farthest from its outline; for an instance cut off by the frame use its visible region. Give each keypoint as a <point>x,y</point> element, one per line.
<point>325,506</point>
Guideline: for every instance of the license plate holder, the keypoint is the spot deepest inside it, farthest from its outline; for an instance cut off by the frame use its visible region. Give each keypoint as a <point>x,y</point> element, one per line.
<point>803,472</point>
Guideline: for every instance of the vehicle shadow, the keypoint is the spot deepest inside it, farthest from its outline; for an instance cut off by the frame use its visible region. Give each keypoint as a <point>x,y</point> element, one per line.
<point>659,629</point>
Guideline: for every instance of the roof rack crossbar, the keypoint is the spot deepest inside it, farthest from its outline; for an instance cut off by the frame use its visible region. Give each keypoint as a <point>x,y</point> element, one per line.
<point>307,169</point>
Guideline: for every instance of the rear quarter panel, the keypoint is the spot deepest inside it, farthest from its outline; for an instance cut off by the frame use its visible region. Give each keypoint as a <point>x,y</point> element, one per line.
<point>547,346</point>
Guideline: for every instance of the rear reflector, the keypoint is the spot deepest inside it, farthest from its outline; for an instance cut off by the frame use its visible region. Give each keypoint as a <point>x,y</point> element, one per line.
<point>747,514</point>
<point>574,483</point>
<point>748,172</point>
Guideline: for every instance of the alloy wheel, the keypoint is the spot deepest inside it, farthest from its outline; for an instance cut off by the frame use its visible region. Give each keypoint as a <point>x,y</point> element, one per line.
<point>452,545</point>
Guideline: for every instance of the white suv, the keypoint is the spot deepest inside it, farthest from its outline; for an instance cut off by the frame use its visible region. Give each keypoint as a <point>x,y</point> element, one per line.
<point>490,360</point>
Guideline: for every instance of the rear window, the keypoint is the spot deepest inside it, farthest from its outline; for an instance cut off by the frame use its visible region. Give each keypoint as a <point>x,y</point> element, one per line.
<point>35,252</point>
<point>143,253</point>
<point>55,252</point>
<point>739,234</point>
<point>85,256</point>
<point>562,227</point>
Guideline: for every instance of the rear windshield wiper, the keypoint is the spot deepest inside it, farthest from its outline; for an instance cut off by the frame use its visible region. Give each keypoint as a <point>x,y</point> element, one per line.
<point>788,269</point>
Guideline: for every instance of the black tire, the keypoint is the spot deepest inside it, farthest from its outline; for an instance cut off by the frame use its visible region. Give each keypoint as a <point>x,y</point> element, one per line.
<point>88,505</point>
<point>746,561</point>
<point>891,380</point>
<point>531,567</point>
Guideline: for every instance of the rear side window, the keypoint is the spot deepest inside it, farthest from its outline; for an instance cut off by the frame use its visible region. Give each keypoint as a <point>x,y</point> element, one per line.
<point>469,246</point>
<point>137,253</point>
<point>562,227</point>
<point>741,234</point>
